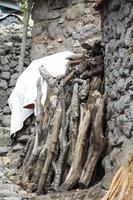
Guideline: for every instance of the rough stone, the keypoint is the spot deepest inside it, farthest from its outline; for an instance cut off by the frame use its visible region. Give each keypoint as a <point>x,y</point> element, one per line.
<point>75,12</point>
<point>13,63</point>
<point>13,79</point>
<point>4,150</point>
<point>3,97</point>
<point>6,120</point>
<point>129,35</point>
<point>54,30</point>
<point>5,75</point>
<point>4,60</point>
<point>87,19</point>
<point>122,103</point>
<point>6,110</point>
<point>53,15</point>
<point>3,84</point>
<point>42,7</point>
<point>18,147</point>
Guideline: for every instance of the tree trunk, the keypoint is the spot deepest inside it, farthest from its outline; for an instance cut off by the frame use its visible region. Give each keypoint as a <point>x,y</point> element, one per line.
<point>24,36</point>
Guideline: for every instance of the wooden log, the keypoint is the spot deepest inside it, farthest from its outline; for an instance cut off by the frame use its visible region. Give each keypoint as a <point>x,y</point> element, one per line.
<point>59,166</point>
<point>48,124</point>
<point>50,149</point>
<point>67,79</point>
<point>122,184</point>
<point>95,83</point>
<point>75,57</point>
<point>97,144</point>
<point>76,167</point>
<point>77,164</point>
<point>74,119</point>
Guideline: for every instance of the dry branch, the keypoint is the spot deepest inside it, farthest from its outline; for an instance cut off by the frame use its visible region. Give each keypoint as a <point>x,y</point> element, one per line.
<point>97,143</point>
<point>50,149</point>
<point>75,170</point>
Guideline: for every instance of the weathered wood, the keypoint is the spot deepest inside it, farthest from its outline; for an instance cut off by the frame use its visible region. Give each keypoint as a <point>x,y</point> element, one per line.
<point>67,79</point>
<point>74,119</point>
<point>64,145</point>
<point>95,84</point>
<point>75,57</point>
<point>122,184</point>
<point>50,149</point>
<point>97,144</point>
<point>76,167</point>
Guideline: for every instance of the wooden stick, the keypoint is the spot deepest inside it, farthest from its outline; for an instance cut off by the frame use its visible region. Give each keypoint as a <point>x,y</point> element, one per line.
<point>64,145</point>
<point>51,149</point>
<point>74,119</point>
<point>97,144</point>
<point>75,170</point>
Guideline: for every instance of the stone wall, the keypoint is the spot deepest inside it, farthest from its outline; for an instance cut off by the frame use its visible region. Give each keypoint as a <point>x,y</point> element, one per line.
<point>63,25</point>
<point>10,44</point>
<point>117,29</point>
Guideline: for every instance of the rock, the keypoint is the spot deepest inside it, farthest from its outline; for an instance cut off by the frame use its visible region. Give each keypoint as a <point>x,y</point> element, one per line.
<point>38,51</point>
<point>6,110</point>
<point>67,44</point>
<point>68,31</point>
<point>12,198</point>
<point>106,181</point>
<point>16,38</point>
<point>3,84</point>
<point>128,36</point>
<point>122,103</point>
<point>62,19</point>
<point>6,68</point>
<point>6,193</point>
<point>8,46</point>
<point>54,30</point>
<point>87,32</point>
<point>18,147</point>
<point>37,29</point>
<point>13,64</point>
<point>121,85</point>
<point>4,150</point>
<point>4,60</point>
<point>13,79</point>
<point>76,11</point>
<point>127,129</point>
<point>5,75</point>
<point>53,15</point>
<point>10,187</point>
<point>3,97</point>
<point>5,139</point>
<point>131,111</point>
<point>23,138</point>
<point>2,52</point>
<point>6,120</point>
<point>87,19</point>
<point>40,11</point>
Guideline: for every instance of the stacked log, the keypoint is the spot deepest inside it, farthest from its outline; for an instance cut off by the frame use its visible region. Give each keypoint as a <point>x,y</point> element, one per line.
<point>69,139</point>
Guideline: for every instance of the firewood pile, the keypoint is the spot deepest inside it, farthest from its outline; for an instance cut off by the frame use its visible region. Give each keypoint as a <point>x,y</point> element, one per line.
<point>69,140</point>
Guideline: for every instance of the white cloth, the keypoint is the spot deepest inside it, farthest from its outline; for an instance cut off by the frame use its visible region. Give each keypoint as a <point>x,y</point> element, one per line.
<point>25,91</point>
